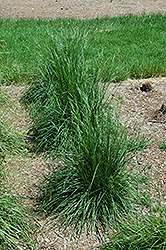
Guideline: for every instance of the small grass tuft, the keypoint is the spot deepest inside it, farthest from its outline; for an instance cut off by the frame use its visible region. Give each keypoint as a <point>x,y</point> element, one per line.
<point>162,145</point>
<point>10,142</point>
<point>145,231</point>
<point>17,226</point>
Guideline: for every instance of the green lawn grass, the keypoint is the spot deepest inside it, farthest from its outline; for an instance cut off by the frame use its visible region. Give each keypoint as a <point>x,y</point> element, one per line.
<point>133,47</point>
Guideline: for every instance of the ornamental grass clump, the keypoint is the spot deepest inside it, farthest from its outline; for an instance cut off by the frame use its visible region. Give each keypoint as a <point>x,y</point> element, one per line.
<point>17,227</point>
<point>10,142</point>
<point>95,184</point>
<point>65,73</point>
<point>145,231</point>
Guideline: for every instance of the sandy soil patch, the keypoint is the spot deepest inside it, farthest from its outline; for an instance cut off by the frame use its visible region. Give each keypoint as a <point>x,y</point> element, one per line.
<point>77,8</point>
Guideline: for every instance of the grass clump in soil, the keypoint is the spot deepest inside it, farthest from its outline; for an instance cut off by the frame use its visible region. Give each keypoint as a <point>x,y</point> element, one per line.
<point>10,142</point>
<point>67,78</point>
<point>145,231</point>
<point>95,184</point>
<point>17,227</point>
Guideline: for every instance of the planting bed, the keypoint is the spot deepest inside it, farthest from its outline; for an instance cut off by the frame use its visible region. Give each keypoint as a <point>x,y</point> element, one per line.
<point>138,107</point>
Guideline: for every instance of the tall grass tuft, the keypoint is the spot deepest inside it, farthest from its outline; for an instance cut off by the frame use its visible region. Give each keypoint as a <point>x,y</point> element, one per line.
<point>65,73</point>
<point>145,231</point>
<point>17,227</point>
<point>95,184</point>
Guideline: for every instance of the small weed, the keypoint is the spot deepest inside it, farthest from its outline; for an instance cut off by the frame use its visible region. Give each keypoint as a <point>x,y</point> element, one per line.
<point>162,145</point>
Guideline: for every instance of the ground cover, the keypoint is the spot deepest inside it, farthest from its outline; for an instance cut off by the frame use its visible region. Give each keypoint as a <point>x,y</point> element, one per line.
<point>133,47</point>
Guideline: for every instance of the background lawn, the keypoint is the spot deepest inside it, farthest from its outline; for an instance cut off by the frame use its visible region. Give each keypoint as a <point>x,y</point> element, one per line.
<point>132,46</point>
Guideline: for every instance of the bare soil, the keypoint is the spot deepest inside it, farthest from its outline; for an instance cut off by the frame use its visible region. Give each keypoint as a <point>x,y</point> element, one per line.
<point>77,8</point>
<point>141,108</point>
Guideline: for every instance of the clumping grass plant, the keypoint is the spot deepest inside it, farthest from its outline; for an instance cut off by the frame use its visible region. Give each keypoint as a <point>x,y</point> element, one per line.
<point>143,231</point>
<point>17,227</point>
<point>95,185</point>
<point>65,73</point>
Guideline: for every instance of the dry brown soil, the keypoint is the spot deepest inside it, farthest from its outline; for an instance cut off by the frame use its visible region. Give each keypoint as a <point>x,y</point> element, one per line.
<point>77,8</point>
<point>138,107</point>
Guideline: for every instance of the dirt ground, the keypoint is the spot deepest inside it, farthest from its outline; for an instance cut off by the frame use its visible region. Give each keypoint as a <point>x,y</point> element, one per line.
<point>77,8</point>
<point>146,110</point>
<point>138,107</point>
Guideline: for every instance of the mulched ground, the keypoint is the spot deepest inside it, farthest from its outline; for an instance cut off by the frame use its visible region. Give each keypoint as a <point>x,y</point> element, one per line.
<point>143,109</point>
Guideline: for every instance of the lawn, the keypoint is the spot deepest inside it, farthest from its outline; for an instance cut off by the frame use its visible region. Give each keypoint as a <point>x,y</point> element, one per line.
<point>132,47</point>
